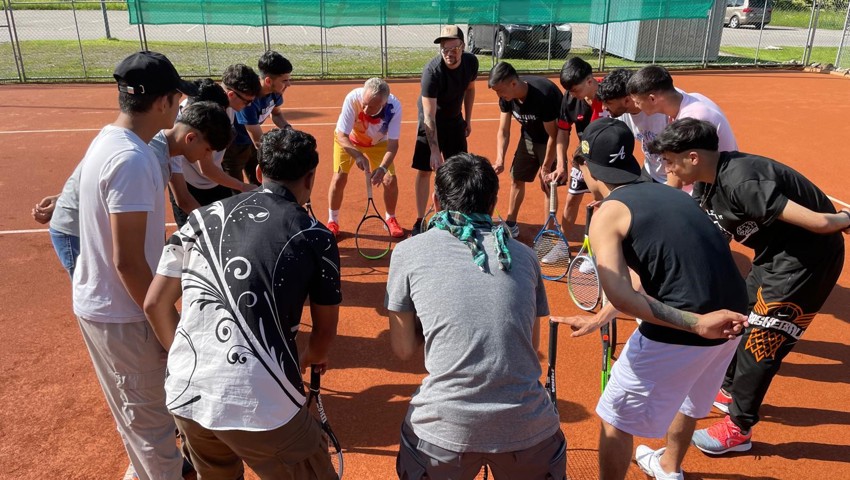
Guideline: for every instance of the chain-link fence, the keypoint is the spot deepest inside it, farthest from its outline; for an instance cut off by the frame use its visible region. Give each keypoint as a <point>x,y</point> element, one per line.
<point>47,40</point>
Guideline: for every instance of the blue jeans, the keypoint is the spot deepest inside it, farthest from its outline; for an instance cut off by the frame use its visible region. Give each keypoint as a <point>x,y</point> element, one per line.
<point>67,249</point>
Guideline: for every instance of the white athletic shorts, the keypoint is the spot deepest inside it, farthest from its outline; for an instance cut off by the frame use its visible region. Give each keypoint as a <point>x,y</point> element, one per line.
<point>652,381</point>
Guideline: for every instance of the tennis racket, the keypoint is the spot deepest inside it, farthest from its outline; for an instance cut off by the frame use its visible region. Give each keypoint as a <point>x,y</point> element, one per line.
<point>609,344</point>
<point>372,237</point>
<point>426,220</point>
<point>553,356</point>
<point>334,451</point>
<point>552,249</point>
<point>582,277</point>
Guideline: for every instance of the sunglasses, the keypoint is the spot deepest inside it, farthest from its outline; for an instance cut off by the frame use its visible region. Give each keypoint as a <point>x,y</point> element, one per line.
<point>240,97</point>
<point>457,49</point>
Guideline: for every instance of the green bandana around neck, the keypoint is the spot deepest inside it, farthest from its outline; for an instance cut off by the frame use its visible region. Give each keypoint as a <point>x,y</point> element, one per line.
<point>462,226</point>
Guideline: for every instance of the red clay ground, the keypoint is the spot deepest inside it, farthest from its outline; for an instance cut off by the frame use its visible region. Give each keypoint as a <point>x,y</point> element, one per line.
<point>54,421</point>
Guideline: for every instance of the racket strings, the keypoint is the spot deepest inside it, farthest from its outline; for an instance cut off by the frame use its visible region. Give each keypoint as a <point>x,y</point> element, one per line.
<point>372,237</point>
<point>553,255</point>
<point>583,282</point>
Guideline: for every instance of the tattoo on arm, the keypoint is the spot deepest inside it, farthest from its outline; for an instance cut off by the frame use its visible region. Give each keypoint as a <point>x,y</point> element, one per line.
<point>673,316</point>
<point>431,134</point>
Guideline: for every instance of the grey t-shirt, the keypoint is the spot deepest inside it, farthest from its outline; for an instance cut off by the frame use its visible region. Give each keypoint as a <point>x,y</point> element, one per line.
<point>66,215</point>
<point>483,391</point>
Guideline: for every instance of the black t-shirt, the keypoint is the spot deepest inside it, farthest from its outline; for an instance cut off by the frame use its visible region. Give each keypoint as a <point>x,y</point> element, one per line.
<point>745,201</point>
<point>576,111</point>
<point>681,258</point>
<point>542,104</point>
<point>447,85</point>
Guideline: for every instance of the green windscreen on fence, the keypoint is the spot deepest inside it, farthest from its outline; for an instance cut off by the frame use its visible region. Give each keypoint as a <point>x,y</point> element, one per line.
<point>337,13</point>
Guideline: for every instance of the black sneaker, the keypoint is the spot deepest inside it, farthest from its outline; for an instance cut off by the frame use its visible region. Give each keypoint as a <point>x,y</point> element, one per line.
<point>417,228</point>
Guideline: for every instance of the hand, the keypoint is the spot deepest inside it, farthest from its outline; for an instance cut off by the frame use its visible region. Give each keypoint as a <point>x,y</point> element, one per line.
<point>557,175</point>
<point>379,175</point>
<point>721,324</point>
<point>436,160</point>
<point>468,128</point>
<point>362,162</point>
<point>43,210</point>
<point>307,360</point>
<point>581,324</point>
<point>543,173</point>
<point>499,167</point>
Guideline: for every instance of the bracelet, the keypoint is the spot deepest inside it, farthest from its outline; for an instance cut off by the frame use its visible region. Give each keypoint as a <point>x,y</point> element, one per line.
<point>382,168</point>
<point>845,212</point>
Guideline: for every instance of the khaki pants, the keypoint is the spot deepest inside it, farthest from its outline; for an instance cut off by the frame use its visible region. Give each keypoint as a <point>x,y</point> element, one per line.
<point>295,451</point>
<point>130,366</point>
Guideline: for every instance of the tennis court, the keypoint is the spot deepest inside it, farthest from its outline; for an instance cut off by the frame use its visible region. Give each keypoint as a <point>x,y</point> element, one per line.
<point>55,423</point>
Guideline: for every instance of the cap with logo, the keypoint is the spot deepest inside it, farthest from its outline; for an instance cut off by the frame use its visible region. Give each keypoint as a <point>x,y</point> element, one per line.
<point>450,32</point>
<point>150,73</point>
<point>607,146</point>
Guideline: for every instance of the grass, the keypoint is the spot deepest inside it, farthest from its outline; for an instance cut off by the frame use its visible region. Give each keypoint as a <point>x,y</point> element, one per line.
<point>827,19</point>
<point>746,55</point>
<point>66,4</point>
<point>60,59</point>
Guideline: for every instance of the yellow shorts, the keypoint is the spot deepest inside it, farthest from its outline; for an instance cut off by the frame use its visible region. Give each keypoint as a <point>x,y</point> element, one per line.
<point>343,161</point>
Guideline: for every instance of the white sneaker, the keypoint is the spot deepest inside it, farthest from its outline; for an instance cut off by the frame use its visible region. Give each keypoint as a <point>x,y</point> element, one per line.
<point>559,253</point>
<point>514,229</point>
<point>586,266</point>
<point>648,461</point>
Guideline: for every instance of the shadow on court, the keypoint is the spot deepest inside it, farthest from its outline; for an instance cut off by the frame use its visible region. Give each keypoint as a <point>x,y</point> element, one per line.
<point>801,450</point>
<point>804,417</point>
<point>829,373</point>
<point>836,304</point>
<point>299,115</point>
<point>724,476</point>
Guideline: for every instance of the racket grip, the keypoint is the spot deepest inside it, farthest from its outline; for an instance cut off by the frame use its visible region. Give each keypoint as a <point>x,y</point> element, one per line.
<point>368,184</point>
<point>553,197</point>
<point>315,377</point>
<point>553,342</point>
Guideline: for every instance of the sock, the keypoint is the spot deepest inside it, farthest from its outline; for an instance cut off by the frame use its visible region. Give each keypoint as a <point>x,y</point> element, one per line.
<point>418,222</point>
<point>387,216</point>
<point>510,223</point>
<point>333,215</point>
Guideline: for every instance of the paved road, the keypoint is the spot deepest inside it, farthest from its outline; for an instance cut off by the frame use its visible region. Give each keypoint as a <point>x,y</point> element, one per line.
<point>59,25</point>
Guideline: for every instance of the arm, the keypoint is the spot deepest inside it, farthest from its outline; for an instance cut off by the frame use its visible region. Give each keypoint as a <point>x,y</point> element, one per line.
<point>429,118</point>
<point>823,223</point>
<point>256,134</point>
<point>406,335</point>
<point>184,199</point>
<point>380,173</point>
<point>468,99</point>
<point>361,160</point>
<point>325,321</point>
<point>607,232</point>
<point>209,169</point>
<point>159,308</point>
<point>562,146</point>
<point>43,210</point>
<point>278,118</point>
<point>551,147</point>
<point>503,138</point>
<point>128,245</point>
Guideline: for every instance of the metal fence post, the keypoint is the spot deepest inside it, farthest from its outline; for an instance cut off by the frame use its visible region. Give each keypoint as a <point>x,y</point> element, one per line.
<point>79,39</point>
<point>761,30</point>
<point>603,46</point>
<point>843,36</point>
<point>810,38</point>
<point>105,19</point>
<point>707,37</point>
<point>13,38</point>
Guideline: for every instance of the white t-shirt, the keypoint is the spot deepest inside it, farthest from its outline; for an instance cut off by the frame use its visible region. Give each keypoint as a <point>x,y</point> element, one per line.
<point>120,174</point>
<point>192,171</point>
<point>167,164</point>
<point>695,105</point>
<point>366,131</point>
<point>646,128</point>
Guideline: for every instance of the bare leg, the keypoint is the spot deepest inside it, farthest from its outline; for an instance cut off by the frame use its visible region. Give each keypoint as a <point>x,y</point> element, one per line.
<point>421,189</point>
<point>336,190</point>
<point>515,199</point>
<point>678,440</point>
<point>568,219</point>
<point>391,195</point>
<point>615,452</point>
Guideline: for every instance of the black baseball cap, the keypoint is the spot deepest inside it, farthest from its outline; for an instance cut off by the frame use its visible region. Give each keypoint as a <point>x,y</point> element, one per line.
<point>450,32</point>
<point>607,146</point>
<point>150,73</point>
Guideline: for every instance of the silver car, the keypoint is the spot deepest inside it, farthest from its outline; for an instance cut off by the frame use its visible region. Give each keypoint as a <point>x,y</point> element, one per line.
<point>507,40</point>
<point>747,12</point>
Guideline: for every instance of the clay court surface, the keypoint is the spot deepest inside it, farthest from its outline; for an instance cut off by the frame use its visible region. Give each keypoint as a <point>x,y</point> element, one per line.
<point>55,423</point>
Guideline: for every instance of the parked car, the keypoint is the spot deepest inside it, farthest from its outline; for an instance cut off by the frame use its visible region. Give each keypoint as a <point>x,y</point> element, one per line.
<point>747,12</point>
<point>506,40</point>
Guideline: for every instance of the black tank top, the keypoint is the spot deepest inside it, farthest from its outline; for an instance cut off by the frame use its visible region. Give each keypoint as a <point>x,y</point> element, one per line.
<point>682,259</point>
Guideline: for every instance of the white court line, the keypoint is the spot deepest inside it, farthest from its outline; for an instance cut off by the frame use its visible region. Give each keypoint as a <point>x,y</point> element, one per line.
<point>44,230</point>
<point>845,205</point>
<point>267,127</point>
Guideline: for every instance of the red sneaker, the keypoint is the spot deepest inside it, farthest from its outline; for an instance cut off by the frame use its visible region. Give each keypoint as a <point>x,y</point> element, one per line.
<point>722,401</point>
<point>395,229</point>
<point>334,228</point>
<point>724,436</point>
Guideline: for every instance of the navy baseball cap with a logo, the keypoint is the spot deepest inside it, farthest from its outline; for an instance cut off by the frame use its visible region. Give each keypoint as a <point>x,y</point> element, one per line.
<point>607,146</point>
<point>150,73</point>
